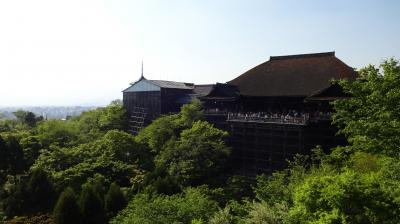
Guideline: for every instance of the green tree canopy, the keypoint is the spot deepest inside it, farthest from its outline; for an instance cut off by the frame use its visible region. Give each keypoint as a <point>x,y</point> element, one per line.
<point>186,149</point>
<point>27,117</point>
<point>58,133</point>
<point>116,156</point>
<point>198,154</point>
<point>159,209</point>
<point>370,119</point>
<point>92,124</point>
<point>89,126</point>
<point>354,195</point>
<point>167,128</point>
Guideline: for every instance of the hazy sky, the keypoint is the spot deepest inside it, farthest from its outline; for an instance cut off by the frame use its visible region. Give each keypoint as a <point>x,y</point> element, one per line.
<point>79,52</point>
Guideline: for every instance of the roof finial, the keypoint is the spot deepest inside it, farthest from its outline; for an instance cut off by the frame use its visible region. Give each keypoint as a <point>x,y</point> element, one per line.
<point>142,71</point>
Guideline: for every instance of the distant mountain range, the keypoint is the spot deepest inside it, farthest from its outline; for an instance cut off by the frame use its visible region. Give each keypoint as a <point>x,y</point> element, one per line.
<point>49,112</point>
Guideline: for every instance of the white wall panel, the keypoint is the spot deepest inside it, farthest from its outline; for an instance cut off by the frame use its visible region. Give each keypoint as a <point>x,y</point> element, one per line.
<point>143,86</point>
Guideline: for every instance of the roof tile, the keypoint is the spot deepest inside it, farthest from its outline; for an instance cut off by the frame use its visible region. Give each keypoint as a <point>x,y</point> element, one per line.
<point>293,75</point>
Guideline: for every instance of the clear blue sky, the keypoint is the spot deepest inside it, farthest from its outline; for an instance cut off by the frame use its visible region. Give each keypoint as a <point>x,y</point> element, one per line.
<point>81,52</point>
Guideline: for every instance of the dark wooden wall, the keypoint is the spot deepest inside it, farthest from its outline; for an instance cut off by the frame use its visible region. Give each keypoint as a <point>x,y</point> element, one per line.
<point>171,99</point>
<point>157,103</point>
<point>265,147</point>
<point>151,100</point>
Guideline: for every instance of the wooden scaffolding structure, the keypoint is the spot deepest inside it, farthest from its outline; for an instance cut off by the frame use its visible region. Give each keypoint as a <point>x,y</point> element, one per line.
<point>137,118</point>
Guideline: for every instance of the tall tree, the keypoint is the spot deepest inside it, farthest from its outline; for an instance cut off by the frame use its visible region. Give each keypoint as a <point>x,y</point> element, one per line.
<point>67,210</point>
<point>114,200</point>
<point>371,118</point>
<point>20,114</point>
<point>29,195</point>
<point>91,206</point>
<point>27,117</point>
<point>3,154</point>
<point>12,155</point>
<point>31,147</point>
<point>16,201</point>
<point>30,119</point>
<point>41,191</point>
<point>112,118</point>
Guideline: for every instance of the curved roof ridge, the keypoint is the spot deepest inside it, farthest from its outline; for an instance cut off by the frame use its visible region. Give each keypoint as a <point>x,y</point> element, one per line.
<point>311,55</point>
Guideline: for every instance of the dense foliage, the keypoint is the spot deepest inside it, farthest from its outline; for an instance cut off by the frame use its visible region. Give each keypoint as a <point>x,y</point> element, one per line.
<point>371,119</point>
<point>40,158</point>
<point>89,169</point>
<point>116,156</point>
<point>93,155</point>
<point>158,209</point>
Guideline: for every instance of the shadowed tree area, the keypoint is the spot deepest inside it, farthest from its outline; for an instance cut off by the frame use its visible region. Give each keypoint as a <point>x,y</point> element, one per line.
<point>66,209</point>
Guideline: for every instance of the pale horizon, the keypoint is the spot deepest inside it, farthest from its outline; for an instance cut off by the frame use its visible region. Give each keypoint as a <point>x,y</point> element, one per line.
<point>85,52</point>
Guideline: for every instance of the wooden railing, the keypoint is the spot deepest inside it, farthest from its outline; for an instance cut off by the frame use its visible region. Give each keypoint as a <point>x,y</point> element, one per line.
<point>301,120</point>
<point>263,117</point>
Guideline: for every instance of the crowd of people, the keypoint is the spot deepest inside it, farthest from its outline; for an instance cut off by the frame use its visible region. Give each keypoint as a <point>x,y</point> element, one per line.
<point>289,117</point>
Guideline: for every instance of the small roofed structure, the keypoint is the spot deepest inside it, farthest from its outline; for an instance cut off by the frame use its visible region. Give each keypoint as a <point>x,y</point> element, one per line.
<point>221,98</point>
<point>333,92</point>
<point>146,99</point>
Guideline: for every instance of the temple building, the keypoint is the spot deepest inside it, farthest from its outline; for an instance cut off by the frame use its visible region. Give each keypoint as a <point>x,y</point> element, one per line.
<point>272,112</point>
<point>145,100</point>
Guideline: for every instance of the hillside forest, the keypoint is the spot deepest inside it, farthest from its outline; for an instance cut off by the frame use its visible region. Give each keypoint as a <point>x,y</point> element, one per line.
<point>89,169</point>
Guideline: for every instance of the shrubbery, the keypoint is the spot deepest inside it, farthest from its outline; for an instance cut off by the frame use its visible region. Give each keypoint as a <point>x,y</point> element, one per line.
<point>179,208</point>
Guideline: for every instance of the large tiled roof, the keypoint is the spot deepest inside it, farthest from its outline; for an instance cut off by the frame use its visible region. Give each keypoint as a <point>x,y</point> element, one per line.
<point>293,75</point>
